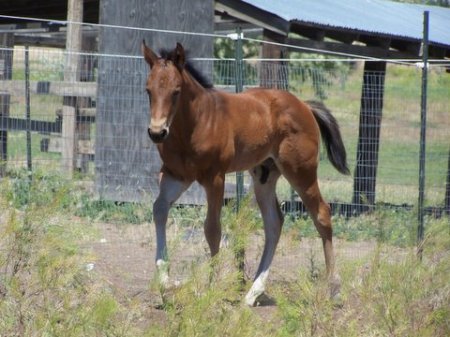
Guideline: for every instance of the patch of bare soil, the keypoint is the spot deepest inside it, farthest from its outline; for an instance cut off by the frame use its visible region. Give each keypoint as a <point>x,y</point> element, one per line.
<point>123,257</point>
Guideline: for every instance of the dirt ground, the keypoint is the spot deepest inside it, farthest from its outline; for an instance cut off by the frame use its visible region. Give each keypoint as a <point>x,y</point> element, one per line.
<point>123,256</point>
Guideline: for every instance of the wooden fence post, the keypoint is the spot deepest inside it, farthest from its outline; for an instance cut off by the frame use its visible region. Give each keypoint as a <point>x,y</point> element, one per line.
<point>6,62</point>
<point>71,73</point>
<point>84,104</point>
<point>369,135</point>
<point>273,74</point>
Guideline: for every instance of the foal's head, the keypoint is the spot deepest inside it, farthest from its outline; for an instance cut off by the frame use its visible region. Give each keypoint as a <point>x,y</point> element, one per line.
<point>163,87</point>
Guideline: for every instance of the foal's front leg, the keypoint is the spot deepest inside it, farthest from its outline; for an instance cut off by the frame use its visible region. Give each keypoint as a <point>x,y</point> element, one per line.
<point>214,189</point>
<point>169,191</point>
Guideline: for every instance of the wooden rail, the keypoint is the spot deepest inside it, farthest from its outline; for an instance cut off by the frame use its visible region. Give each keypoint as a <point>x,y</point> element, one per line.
<point>59,88</point>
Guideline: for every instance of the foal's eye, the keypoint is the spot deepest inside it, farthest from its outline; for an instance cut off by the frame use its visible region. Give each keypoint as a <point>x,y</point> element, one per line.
<point>175,95</point>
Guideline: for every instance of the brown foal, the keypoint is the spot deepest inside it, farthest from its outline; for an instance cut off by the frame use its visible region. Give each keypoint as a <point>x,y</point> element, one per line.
<point>202,134</point>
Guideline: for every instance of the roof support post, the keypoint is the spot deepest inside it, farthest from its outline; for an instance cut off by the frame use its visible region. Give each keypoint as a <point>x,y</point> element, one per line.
<point>274,74</point>
<point>423,133</point>
<point>369,136</point>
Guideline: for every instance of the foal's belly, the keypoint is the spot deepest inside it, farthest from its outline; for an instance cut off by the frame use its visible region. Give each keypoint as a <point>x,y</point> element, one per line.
<point>246,160</point>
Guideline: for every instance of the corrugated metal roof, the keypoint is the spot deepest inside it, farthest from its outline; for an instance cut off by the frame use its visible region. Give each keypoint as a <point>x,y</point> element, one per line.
<point>372,16</point>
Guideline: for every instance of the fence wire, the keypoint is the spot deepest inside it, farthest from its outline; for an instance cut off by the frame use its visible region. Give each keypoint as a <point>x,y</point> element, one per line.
<point>339,85</point>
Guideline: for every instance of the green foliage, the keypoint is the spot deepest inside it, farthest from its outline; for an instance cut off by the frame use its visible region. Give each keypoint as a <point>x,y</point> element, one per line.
<point>321,73</point>
<point>441,3</point>
<point>110,211</point>
<point>188,216</point>
<point>225,48</point>
<point>39,188</point>
<point>42,66</point>
<point>304,308</point>
<point>43,188</point>
<point>394,227</point>
<point>239,225</point>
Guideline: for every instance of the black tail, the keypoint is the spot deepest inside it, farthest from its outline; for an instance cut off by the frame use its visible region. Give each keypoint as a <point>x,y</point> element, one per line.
<point>331,136</point>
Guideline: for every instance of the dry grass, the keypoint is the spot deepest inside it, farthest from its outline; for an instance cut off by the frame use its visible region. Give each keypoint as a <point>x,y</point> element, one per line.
<point>62,275</point>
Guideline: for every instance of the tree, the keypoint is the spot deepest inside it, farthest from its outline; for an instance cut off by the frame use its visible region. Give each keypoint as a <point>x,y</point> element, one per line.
<point>441,3</point>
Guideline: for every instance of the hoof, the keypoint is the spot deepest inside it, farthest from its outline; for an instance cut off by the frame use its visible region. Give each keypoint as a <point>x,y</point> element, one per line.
<point>337,301</point>
<point>261,300</point>
<point>251,299</point>
<point>335,292</point>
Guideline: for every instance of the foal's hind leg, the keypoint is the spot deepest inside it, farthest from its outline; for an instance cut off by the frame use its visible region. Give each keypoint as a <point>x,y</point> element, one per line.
<point>264,179</point>
<point>304,181</point>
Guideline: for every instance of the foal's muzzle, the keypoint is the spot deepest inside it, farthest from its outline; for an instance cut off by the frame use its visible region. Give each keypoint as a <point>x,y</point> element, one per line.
<point>158,136</point>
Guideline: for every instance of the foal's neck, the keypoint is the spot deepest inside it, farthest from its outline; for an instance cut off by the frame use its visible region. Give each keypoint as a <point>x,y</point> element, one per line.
<point>191,85</point>
<point>193,93</point>
<point>190,107</point>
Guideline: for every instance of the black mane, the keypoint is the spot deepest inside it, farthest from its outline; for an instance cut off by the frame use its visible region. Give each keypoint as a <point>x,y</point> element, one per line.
<point>195,73</point>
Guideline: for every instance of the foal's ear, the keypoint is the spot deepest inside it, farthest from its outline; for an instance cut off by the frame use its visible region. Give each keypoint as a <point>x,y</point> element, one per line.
<point>149,56</point>
<point>178,56</point>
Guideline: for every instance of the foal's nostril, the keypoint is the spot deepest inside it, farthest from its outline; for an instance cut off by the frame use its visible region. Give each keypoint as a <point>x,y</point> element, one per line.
<point>158,137</point>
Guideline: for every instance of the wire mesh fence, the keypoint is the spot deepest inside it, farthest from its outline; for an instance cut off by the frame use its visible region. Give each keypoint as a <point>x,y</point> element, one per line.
<point>392,121</point>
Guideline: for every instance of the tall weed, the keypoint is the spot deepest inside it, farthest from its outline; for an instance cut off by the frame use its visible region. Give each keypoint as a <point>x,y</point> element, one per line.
<point>388,294</point>
<point>45,288</point>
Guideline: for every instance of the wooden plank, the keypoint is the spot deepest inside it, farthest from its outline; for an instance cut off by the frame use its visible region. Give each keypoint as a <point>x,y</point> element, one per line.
<point>86,147</point>
<point>53,41</point>
<point>349,49</point>
<point>126,161</point>
<point>58,88</point>
<point>87,112</point>
<point>21,124</point>
<point>254,15</point>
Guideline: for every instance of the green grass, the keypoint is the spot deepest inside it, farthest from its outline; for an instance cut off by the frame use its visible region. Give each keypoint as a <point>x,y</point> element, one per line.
<point>394,227</point>
<point>42,107</point>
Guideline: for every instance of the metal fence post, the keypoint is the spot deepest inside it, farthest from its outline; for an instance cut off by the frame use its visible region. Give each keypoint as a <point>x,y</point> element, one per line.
<point>239,77</point>
<point>423,126</point>
<point>28,109</point>
<point>6,65</point>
